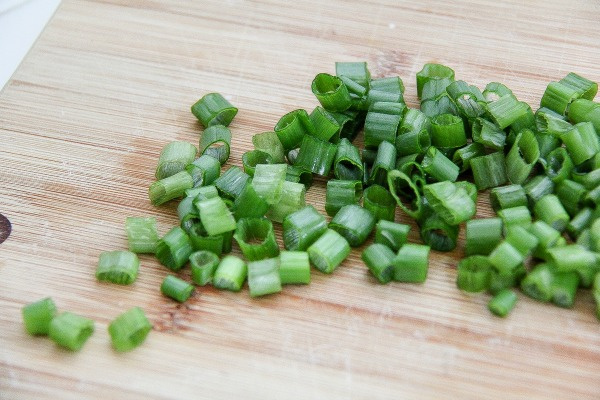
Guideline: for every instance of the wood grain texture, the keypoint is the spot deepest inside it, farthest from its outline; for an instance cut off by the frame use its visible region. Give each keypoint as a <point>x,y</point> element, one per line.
<point>110,82</point>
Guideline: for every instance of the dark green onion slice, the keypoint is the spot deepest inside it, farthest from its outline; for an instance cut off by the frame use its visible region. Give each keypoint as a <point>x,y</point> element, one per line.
<point>547,236</point>
<point>292,127</point>
<point>299,175</point>
<point>142,235</point>
<point>581,142</point>
<point>215,216</point>
<point>120,267</point>
<point>550,210</point>
<point>489,171</point>
<point>438,166</point>
<point>268,181</point>
<point>414,121</point>
<point>482,235</point>
<point>384,162</point>
<point>293,198</point>
<point>294,267</point>
<point>505,257</point>
<point>432,72</point>
<point>174,157</point>
<point>380,202</point>
<point>451,202</point>
<point>585,88</point>
<point>504,280</point>
<point>252,158</point>
<point>515,216</point>
<point>170,188</point>
<point>302,228</point>
<point>411,263</point>
<point>379,259</point>
<point>494,90</point>
<point>232,182</point>
<point>256,238</point>
<point>564,288</point>
<point>174,249</point>
<point>263,277</point>
<point>558,165</point>
<point>331,92</point>
<point>214,109</point>
<point>176,288</point>
<point>522,157</point>
<point>473,274</point>
<point>558,96</point>
<point>38,315</point>
<point>435,232</point>
<point>462,157</point>
<point>546,143</point>
<point>468,99</point>
<point>340,193</point>
<point>380,127</point>
<point>249,203</point>
<point>316,155</point>
<point>354,223</point>
<point>414,142</point>
<point>204,170</point>
<point>503,302</point>
<point>391,234</point>
<point>347,163</point>
<point>580,221</point>
<point>357,71</point>
<point>537,284</point>
<point>129,330</point>
<point>269,143</point>
<point>506,110</point>
<point>215,141</point>
<point>582,110</point>
<point>70,331</point>
<point>550,122</point>
<point>328,251</point>
<point>448,131</point>
<point>203,264</point>
<point>217,244</point>
<point>230,274</point>
<point>507,197</point>
<point>525,121</point>
<point>325,125</point>
<point>521,239</point>
<point>404,192</point>
<point>571,258</point>
<point>537,187</point>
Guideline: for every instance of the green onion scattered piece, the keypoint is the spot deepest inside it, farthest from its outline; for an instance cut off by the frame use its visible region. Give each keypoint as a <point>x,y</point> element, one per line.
<point>558,165</point>
<point>129,330</point>
<point>215,141</point>
<point>503,302</point>
<point>176,288</point>
<point>232,182</point>
<point>293,198</point>
<point>507,197</point>
<point>585,88</point>
<point>249,203</point>
<point>203,264</point>
<point>521,239</point>
<point>269,143</point>
<point>174,249</point>
<point>292,127</point>
<point>582,110</point>
<point>550,122</point>
<point>252,158</point>
<point>515,216</point>
<point>302,228</point>
<point>581,142</point>
<point>506,110</point>
<point>316,155</point>
<point>391,234</point>
<point>380,202</point>
<point>414,142</point>
<point>142,235</point>
<point>340,193</point>
<point>202,241</point>
<point>473,274</point>
<point>256,238</point>
<point>331,92</point>
<point>174,157</point>
<point>328,251</point>
<point>538,283</point>
<point>436,232</point>
<point>215,216</point>
<point>438,166</point>
<point>489,171</point>
<point>347,164</point>
<point>483,235</point>
<point>488,134</point>
<point>119,267</point>
<point>170,188</point>
<point>230,274</point>
<point>204,170</point>
<point>505,257</point>
<point>504,280</point>
<point>268,181</point>
<point>38,315</point>
<point>403,190</point>
<point>550,210</point>
<point>70,331</point>
<point>299,175</point>
<point>294,267</point>
<point>571,258</point>
<point>581,221</point>
<point>462,157</point>
<point>411,263</point>
<point>384,162</point>
<point>379,127</point>
<point>432,72</point>
<point>263,277</point>
<point>448,131</point>
<point>494,90</point>
<point>357,71</point>
<point>214,109</point>
<point>379,259</point>
<point>325,125</point>
<point>354,223</point>
<point>451,202</point>
<point>547,236</point>
<point>558,96</point>
<point>564,288</point>
<point>536,188</point>
<point>522,157</point>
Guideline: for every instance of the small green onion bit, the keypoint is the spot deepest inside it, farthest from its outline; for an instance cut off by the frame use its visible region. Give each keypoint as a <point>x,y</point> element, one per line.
<point>379,202</point>
<point>432,72</point>
<point>411,263</point>
<point>379,259</point>
<point>347,164</point>
<point>473,274</point>
<point>252,158</point>
<point>38,315</point>
<point>354,223</point>
<point>263,277</point>
<point>203,264</point>
<point>550,210</point>
<point>129,330</point>
<point>451,202</point>
<point>269,143</point>
<point>170,188</point>
<point>505,257</point>
<point>142,235</point>
<point>293,198</point>
<point>120,267</point>
<point>328,251</point>
<point>294,267</point>
<point>564,288</point>
<point>214,109</point>
<point>215,216</point>
<point>391,234</point>
<point>292,127</point>
<point>331,92</point>
<point>503,302</point>
<point>483,235</point>
<point>256,238</point>
<point>340,193</point>
<point>302,228</point>
<point>174,157</point>
<point>176,288</point>
<point>70,331</point>
<point>174,249</point>
<point>268,181</point>
<point>230,274</point>
<point>215,141</point>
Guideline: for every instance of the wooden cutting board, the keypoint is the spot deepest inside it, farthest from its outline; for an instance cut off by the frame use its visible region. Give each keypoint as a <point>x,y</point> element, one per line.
<point>110,82</point>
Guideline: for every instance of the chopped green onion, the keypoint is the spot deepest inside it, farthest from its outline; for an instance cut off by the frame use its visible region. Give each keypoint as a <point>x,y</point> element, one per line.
<point>232,182</point>
<point>347,164</point>
<point>176,288</point>
<point>174,249</point>
<point>129,330</point>
<point>585,88</point>
<point>354,223</point>
<point>230,274</point>
<point>468,99</point>
<point>414,142</point>
<point>580,221</point>
<point>252,158</point>
<point>411,263</point>
<point>249,203</point>
<point>503,303</point>
<point>380,127</point>
<point>546,143</point>
<point>505,257</point>
<point>525,121</point>
<point>473,274</point>
<point>550,210</point>
<point>441,104</point>
<point>448,131</point>
<point>215,141</point>
<point>214,109</point>
<point>316,155</point>
<point>70,331</point>
<point>174,157</point>
<point>407,163</point>
<point>432,72</point>
<point>584,239</point>
<point>435,232</point>
<point>292,127</point>
<point>515,216</point>
<point>507,197</point>
<point>380,202</point>
<point>558,165</point>
<point>522,157</point>
<point>488,134</point>
<point>483,235</point>
<point>268,181</point>
<point>350,121</point>
<point>506,110</point>
<point>215,216</point>
<point>294,267</point>
<point>204,170</point>
<point>451,202</point>
<point>341,193</point>
<point>38,315</point>
<point>379,259</point>
<point>463,156</point>
<point>564,288</point>
<point>384,162</point>
<point>489,171</point>
<point>582,110</point>
<point>256,238</point>
<point>263,277</point>
<point>119,267</point>
<point>595,236</point>
<point>538,283</point>
<point>203,264</point>
<point>438,166</point>
<point>293,198</point>
<point>521,239</point>
<point>434,90</point>
<point>269,143</point>
<point>581,142</point>
<point>468,187</point>
<point>550,122</point>
<point>504,280</point>
<point>536,188</point>
<point>571,258</point>
<point>325,125</point>
<point>301,228</point>
<point>494,90</point>
<point>328,251</point>
<point>142,235</point>
<point>357,71</point>
<point>391,84</point>
<point>391,234</point>
<point>558,96</point>
<point>414,121</point>
<point>547,236</point>
<point>217,244</point>
<point>170,188</point>
<point>331,92</point>
<point>299,175</point>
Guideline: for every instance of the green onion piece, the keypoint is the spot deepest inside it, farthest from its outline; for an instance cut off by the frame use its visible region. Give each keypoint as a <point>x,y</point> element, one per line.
<point>316,155</point>
<point>592,198</point>
<point>232,182</point>
<point>500,281</point>
<point>331,92</point>
<point>515,216</point>
<point>301,228</point>
<point>411,263</point>
<point>263,277</point>
<point>391,234</point>
<point>380,127</point>
<point>450,202</point>
<point>268,181</point>
<point>341,193</point>
<point>407,163</point>
<point>538,283</point>
<point>506,110</point>
<point>494,90</point>
<point>473,274</point>
<point>142,235</point>
<point>505,257</point>
<point>299,175</point>
<point>441,105</point>
<point>384,162</point>
<point>582,110</point>
<point>176,289</point>
<point>379,259</point>
<point>597,294</point>
<point>580,221</point>
<point>294,267</point>
<point>392,84</point>
<point>249,204</point>
<point>379,202</point>
<point>38,315</point>
<point>434,90</point>
<point>547,236</point>
<point>170,188</point>
<point>205,192</point>
<point>571,258</point>
<point>489,171</point>
<point>215,216</point>
<point>203,264</point>
<point>507,197</point>
<point>436,232</point>
<point>252,158</point>
<point>325,125</point>
<point>256,238</point>
<point>347,163</point>
<point>357,92</point>
<point>388,107</point>
<point>174,157</point>
<point>354,223</point>
<point>415,142</point>
<point>550,210</point>
<point>432,72</point>
<point>584,239</point>
<point>448,131</point>
<point>204,170</point>
<point>174,249</point>
<point>369,155</point>
<point>350,121</point>
<point>589,180</point>
<point>292,127</point>
<point>595,236</point>
<point>558,165</point>
<point>581,142</point>
<point>384,96</point>
<point>438,166</point>
<point>187,213</point>
<point>328,251</point>
<point>488,134</point>
<point>120,267</point>
<point>230,274</point>
<point>525,121</point>
<point>202,241</point>
<point>70,331</point>
<point>414,121</point>
<point>564,288</point>
<point>558,96</point>
<point>503,303</point>
<point>269,143</point>
<point>357,71</point>
<point>521,239</point>
<point>214,109</point>
<point>129,330</point>
<point>537,187</point>
<point>522,157</point>
<point>483,235</point>
<point>546,143</point>
<point>463,156</point>
<point>585,88</point>
<point>293,198</point>
<point>550,122</point>
<point>215,141</point>
<point>468,99</point>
